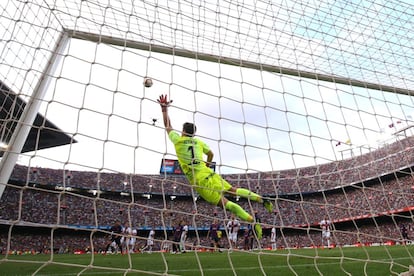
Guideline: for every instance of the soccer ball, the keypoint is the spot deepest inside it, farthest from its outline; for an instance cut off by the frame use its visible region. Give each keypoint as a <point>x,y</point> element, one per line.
<point>147,82</point>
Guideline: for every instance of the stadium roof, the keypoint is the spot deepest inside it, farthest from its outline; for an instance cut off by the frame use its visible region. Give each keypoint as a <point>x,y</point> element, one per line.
<point>43,134</point>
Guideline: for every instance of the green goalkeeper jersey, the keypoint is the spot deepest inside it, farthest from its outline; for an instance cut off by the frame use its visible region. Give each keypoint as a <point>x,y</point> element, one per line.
<point>190,152</point>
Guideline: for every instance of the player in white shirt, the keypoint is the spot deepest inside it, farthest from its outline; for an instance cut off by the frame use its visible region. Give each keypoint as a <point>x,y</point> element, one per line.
<point>184,234</point>
<point>132,240</point>
<point>273,238</point>
<point>325,225</point>
<point>150,241</point>
<point>233,227</point>
<point>126,231</point>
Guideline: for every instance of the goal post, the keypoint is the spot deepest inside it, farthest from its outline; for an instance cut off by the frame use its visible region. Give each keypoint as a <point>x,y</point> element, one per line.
<point>14,146</point>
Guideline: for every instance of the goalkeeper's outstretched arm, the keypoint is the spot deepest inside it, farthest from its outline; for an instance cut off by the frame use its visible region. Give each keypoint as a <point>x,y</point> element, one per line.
<point>164,103</point>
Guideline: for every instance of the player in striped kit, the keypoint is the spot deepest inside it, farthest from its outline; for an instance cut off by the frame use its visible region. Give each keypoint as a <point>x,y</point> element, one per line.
<point>326,225</point>
<point>233,227</point>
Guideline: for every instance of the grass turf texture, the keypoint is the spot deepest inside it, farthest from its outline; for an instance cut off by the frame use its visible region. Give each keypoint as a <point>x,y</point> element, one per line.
<point>380,260</point>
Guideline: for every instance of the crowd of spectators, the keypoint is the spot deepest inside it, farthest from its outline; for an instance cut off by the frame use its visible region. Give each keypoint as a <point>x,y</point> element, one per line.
<point>379,183</point>
<point>55,207</point>
<point>385,160</point>
<point>38,241</point>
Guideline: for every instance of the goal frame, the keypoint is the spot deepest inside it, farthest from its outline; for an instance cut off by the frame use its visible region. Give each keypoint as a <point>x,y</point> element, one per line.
<point>25,122</point>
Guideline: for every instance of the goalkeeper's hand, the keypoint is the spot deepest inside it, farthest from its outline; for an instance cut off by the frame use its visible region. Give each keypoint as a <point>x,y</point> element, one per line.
<point>164,102</point>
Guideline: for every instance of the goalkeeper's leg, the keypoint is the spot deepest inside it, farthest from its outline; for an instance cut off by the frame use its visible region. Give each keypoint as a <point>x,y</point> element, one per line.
<point>237,210</point>
<point>245,193</point>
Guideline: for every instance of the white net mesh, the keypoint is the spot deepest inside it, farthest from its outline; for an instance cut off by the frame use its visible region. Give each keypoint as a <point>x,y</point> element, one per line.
<point>307,103</point>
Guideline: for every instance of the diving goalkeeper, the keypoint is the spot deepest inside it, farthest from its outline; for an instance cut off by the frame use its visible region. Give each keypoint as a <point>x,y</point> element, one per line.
<point>210,186</point>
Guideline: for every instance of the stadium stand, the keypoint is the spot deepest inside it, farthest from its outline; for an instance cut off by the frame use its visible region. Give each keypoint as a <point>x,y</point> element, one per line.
<point>367,197</point>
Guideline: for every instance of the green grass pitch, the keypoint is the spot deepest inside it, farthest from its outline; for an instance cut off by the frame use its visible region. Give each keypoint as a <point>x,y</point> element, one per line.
<point>379,260</point>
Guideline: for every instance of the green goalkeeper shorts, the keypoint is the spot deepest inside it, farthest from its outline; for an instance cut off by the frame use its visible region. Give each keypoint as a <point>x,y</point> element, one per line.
<point>210,186</point>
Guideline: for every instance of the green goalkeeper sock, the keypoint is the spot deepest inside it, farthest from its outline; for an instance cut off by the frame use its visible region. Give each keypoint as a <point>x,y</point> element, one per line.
<point>238,211</point>
<point>248,194</point>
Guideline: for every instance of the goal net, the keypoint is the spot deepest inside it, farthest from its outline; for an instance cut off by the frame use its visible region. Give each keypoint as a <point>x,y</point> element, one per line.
<point>307,103</point>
